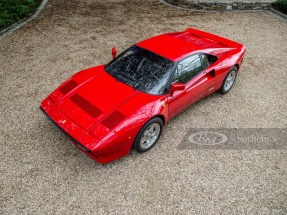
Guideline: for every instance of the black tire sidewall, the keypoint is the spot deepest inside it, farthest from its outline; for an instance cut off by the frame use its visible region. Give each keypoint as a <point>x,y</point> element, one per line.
<point>222,90</point>
<point>136,144</point>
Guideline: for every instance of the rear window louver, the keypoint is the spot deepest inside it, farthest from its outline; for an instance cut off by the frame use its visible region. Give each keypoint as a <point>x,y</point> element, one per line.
<point>86,106</point>
<point>68,87</point>
<point>113,120</point>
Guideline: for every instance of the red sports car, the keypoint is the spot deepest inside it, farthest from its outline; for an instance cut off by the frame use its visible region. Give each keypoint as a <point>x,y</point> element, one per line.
<point>109,109</point>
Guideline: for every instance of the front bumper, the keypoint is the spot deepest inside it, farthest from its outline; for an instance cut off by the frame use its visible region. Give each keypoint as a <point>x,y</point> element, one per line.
<point>76,134</point>
<point>68,135</point>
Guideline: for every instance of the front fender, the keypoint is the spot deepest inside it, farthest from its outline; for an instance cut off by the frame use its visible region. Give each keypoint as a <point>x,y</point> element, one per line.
<point>128,129</point>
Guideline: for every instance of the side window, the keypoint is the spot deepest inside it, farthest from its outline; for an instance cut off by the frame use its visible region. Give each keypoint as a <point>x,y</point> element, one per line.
<point>205,61</point>
<point>187,69</point>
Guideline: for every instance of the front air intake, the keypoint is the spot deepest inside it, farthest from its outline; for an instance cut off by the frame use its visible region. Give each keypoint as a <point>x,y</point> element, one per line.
<point>68,87</point>
<point>86,106</point>
<point>113,120</point>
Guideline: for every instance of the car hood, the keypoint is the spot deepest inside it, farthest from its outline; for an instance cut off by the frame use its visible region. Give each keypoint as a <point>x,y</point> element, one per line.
<point>95,98</point>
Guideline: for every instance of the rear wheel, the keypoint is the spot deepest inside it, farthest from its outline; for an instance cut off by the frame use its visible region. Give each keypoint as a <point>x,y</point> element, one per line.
<point>148,135</point>
<point>229,80</point>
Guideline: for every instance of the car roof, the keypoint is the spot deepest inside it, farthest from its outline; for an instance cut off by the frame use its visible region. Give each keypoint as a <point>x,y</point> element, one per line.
<point>178,45</point>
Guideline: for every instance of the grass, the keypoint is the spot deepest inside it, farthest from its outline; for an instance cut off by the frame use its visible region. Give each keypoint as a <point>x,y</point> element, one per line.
<point>12,11</point>
<point>280,5</point>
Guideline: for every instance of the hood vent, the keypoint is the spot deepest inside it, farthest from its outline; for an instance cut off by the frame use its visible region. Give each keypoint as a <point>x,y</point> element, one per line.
<point>68,87</point>
<point>113,120</point>
<point>86,105</point>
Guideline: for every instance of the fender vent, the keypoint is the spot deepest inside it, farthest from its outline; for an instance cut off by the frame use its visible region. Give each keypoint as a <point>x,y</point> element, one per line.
<point>113,120</point>
<point>86,105</point>
<point>68,87</point>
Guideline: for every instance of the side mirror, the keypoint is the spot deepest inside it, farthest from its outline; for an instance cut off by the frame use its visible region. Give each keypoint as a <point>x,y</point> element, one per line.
<point>176,87</point>
<point>114,52</point>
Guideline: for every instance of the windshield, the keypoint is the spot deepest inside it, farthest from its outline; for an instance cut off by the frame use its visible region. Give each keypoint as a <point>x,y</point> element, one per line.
<point>142,70</point>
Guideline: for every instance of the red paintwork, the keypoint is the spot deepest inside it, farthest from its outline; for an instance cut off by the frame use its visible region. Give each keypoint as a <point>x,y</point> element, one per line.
<point>108,140</point>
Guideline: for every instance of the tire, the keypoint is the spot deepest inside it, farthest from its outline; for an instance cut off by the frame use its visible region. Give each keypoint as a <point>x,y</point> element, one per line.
<point>145,140</point>
<point>226,87</point>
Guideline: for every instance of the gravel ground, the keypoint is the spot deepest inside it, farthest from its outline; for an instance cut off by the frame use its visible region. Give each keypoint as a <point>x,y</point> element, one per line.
<point>41,172</point>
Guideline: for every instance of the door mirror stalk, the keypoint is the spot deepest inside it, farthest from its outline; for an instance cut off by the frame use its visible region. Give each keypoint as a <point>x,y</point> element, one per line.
<point>114,52</point>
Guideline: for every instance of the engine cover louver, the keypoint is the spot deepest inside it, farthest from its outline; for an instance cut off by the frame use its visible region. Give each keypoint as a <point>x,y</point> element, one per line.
<point>86,105</point>
<point>113,120</point>
<point>68,87</point>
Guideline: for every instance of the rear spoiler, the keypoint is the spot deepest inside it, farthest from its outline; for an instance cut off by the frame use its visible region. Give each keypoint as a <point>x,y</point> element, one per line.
<point>214,38</point>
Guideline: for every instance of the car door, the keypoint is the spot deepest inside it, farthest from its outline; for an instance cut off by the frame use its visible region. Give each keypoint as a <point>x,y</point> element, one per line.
<point>212,73</point>
<point>190,73</point>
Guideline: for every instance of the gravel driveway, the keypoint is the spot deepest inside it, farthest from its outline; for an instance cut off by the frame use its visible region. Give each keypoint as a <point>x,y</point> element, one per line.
<point>41,172</point>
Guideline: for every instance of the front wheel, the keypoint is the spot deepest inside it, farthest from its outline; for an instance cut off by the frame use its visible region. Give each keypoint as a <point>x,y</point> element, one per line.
<point>228,81</point>
<point>148,135</point>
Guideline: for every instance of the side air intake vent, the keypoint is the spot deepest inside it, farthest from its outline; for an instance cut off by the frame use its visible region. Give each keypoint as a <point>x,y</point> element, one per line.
<point>86,105</point>
<point>68,87</point>
<point>113,120</point>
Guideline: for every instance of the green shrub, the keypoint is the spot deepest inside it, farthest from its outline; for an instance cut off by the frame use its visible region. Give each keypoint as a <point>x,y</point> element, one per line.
<point>280,5</point>
<point>12,11</point>
<point>22,10</point>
